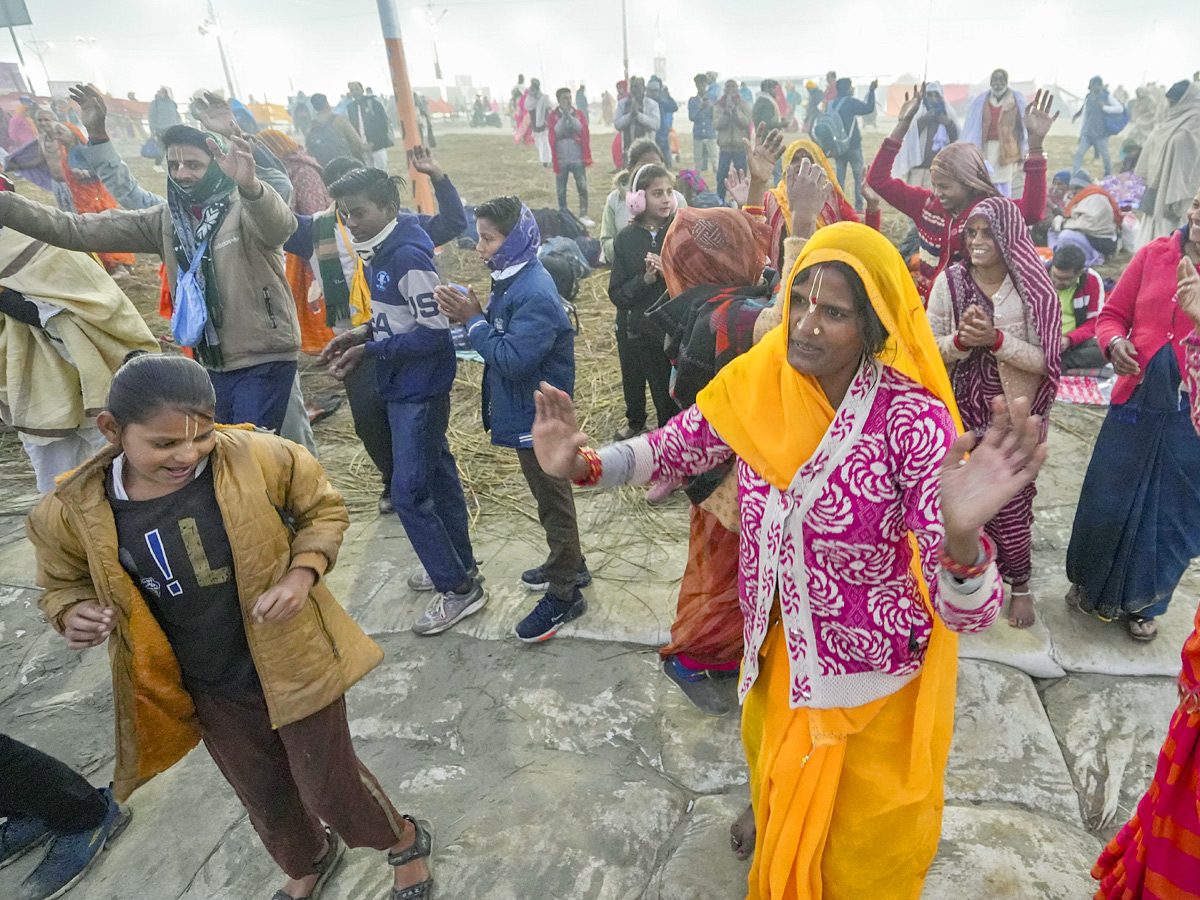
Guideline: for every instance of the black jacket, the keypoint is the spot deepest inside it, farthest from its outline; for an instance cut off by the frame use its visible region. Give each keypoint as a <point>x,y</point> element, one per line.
<point>374,121</point>
<point>627,288</point>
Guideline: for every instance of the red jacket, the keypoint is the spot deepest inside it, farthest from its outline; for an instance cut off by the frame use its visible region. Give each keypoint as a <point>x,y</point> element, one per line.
<point>1142,308</point>
<point>941,235</point>
<point>1089,300</point>
<point>583,138</point>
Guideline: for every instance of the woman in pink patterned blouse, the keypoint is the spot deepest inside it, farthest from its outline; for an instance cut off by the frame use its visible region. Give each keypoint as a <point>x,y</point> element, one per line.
<point>861,555</point>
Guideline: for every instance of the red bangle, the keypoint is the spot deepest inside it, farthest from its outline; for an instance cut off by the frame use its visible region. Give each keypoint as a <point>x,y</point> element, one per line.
<point>595,467</point>
<point>966,573</point>
<point>958,345</point>
<point>999,341</point>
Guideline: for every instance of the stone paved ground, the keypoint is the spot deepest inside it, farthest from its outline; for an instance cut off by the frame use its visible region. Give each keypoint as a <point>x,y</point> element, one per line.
<point>575,770</point>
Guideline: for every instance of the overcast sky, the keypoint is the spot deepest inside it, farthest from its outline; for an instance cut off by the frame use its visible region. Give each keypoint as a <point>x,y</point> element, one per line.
<point>280,46</point>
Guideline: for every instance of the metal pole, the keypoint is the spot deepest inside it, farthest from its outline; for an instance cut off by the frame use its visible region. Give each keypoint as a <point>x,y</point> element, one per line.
<point>21,60</point>
<point>390,23</point>
<point>230,84</point>
<point>625,38</point>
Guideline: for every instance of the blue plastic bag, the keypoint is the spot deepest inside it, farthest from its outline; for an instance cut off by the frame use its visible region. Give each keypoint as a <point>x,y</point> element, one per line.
<point>190,316</point>
<point>151,149</point>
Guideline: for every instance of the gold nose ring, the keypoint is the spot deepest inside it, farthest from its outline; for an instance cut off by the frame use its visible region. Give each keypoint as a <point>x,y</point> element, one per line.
<point>817,330</point>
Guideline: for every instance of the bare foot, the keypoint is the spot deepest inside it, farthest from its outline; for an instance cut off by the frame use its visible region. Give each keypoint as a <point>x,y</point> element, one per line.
<point>1020,609</point>
<point>743,834</point>
<point>414,872</point>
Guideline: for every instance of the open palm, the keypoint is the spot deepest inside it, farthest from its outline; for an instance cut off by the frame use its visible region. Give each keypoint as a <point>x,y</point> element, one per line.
<point>556,434</point>
<point>975,488</point>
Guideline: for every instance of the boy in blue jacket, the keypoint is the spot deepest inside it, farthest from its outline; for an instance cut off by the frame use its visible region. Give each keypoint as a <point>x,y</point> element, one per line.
<point>525,338</point>
<point>408,339</point>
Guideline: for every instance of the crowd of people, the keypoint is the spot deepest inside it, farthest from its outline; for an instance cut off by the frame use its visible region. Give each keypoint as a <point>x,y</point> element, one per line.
<point>858,431</point>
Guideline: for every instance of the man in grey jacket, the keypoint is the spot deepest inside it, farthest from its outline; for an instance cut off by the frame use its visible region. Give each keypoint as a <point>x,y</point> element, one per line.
<point>637,116</point>
<point>226,229</point>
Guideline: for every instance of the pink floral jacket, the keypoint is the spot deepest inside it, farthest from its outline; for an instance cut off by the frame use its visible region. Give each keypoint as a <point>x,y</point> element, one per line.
<point>836,544</point>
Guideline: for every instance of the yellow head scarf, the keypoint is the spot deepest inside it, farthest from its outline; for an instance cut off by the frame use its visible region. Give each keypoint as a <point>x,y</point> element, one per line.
<point>774,417</point>
<point>818,156</point>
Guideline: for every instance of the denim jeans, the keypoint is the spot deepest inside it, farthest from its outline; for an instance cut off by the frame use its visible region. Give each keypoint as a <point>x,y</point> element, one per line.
<point>256,394</point>
<point>724,161</point>
<point>426,491</point>
<point>1085,144</point>
<point>854,158</point>
<point>580,173</point>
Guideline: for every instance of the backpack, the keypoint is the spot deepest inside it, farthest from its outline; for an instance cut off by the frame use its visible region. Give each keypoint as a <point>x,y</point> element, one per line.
<point>829,131</point>
<point>325,143</point>
<point>1116,121</point>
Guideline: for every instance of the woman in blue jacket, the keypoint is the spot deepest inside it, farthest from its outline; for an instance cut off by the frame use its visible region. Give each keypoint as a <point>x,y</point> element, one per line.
<point>525,338</point>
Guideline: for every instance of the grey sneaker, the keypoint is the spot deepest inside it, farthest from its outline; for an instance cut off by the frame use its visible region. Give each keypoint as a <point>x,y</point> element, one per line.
<point>420,580</point>
<point>446,609</point>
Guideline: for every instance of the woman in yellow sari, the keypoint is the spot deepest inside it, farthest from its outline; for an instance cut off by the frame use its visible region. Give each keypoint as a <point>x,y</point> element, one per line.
<point>777,206</point>
<point>862,554</point>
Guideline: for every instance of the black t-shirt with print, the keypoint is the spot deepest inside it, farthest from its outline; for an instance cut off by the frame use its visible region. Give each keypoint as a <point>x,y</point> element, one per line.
<point>177,551</point>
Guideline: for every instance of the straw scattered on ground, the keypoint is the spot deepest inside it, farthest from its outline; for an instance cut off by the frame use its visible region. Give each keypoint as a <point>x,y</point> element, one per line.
<point>483,164</point>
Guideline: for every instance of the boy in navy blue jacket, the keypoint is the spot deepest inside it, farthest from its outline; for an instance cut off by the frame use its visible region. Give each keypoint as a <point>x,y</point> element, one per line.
<point>525,338</point>
<point>408,338</point>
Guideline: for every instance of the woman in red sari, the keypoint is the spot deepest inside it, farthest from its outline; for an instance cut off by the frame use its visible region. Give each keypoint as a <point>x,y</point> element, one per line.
<point>1156,856</point>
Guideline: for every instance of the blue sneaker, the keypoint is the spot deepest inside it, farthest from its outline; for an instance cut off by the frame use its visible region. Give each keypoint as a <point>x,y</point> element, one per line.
<point>536,580</point>
<point>71,853</point>
<point>19,835</point>
<point>550,615</point>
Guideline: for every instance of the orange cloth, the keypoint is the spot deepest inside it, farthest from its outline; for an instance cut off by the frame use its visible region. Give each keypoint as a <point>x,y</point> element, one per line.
<point>91,197</point>
<point>277,142</point>
<point>708,622</point>
<point>848,802</point>
<point>718,246</point>
<point>314,333</point>
<point>1090,191</point>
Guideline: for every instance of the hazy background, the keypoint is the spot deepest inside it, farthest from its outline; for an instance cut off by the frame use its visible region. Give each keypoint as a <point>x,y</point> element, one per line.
<point>281,46</point>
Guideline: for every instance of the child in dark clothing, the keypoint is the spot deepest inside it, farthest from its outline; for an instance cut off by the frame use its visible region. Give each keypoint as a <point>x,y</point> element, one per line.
<point>525,338</point>
<point>635,283</point>
<point>173,541</point>
<point>409,340</point>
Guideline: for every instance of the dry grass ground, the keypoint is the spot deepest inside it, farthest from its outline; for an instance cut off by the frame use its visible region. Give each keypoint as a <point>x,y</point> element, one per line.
<point>483,164</point>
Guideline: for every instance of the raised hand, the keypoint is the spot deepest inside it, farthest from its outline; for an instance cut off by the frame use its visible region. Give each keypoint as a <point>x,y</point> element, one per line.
<point>237,163</point>
<point>1038,119</point>
<point>422,160</point>
<point>738,186</point>
<point>808,190</point>
<point>556,434</point>
<point>1188,290</point>
<point>92,110</point>
<point>911,105</point>
<point>762,155</point>
<point>873,199</point>
<point>1008,458</point>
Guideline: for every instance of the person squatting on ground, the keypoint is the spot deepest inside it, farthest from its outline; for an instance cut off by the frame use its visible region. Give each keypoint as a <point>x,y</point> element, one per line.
<point>173,542</point>
<point>1081,294</point>
<point>846,442</point>
<point>525,338</point>
<point>408,338</point>
<point>220,233</point>
<point>998,324</point>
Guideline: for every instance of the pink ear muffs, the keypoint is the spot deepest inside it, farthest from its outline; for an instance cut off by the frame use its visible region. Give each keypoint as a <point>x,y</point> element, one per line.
<point>635,200</point>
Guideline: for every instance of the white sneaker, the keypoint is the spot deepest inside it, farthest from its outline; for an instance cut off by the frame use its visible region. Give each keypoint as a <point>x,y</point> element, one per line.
<point>587,220</point>
<point>420,580</point>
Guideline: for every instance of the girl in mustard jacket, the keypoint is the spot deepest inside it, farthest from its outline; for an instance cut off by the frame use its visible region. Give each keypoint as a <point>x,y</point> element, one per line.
<point>200,551</point>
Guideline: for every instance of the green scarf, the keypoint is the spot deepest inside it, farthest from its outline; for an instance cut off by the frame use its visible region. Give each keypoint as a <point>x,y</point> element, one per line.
<point>329,262</point>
